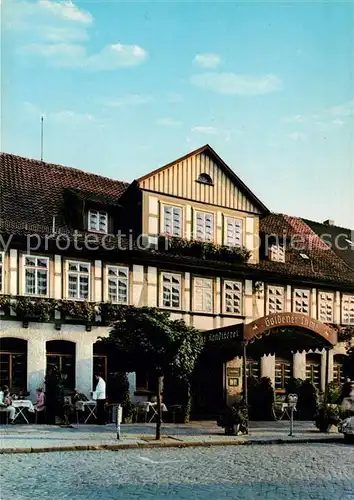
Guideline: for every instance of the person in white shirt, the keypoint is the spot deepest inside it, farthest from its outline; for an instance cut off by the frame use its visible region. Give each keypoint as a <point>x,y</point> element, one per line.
<point>100,396</point>
<point>5,403</point>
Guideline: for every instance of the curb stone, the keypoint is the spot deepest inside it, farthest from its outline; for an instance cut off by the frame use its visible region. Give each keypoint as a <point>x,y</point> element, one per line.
<point>174,444</point>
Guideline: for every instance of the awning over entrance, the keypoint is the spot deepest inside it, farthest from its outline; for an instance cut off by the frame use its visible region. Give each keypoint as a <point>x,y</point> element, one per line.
<point>292,331</point>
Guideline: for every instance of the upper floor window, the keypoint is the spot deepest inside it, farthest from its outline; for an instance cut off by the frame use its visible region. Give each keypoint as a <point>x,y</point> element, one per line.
<point>78,280</point>
<point>205,179</point>
<point>277,253</point>
<point>118,284</point>
<point>172,220</point>
<point>275,299</point>
<point>326,307</point>
<point>2,271</point>
<point>204,226</point>
<point>98,221</point>
<point>301,301</point>
<point>171,290</point>
<point>348,309</point>
<point>203,294</point>
<point>36,275</point>
<point>233,297</point>
<point>233,231</point>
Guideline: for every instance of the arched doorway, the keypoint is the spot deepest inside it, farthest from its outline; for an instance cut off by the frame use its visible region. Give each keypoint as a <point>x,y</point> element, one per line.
<point>61,355</point>
<point>13,364</point>
<point>278,336</point>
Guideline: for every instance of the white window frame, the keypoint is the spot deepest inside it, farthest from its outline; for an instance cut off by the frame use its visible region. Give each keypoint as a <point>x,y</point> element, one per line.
<point>236,293</point>
<point>277,252</point>
<point>298,302</point>
<point>2,272</point>
<point>201,288</point>
<point>268,296</point>
<point>98,214</point>
<point>171,275</point>
<point>204,214</point>
<point>36,269</point>
<point>164,206</point>
<point>68,272</point>
<point>117,278</point>
<point>236,235</point>
<point>348,299</point>
<point>323,295</point>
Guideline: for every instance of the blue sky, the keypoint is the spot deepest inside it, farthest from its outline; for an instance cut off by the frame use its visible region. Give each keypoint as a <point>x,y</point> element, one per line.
<point>126,87</point>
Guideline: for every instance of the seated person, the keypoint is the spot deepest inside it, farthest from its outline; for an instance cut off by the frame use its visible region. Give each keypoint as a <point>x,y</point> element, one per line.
<point>5,403</point>
<point>40,405</point>
<point>78,396</point>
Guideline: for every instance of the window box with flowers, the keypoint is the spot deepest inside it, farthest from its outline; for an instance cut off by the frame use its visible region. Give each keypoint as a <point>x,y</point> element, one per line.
<point>81,312</point>
<point>33,309</point>
<point>206,250</point>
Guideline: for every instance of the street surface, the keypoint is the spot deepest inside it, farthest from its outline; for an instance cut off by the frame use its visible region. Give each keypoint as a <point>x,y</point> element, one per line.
<point>303,471</point>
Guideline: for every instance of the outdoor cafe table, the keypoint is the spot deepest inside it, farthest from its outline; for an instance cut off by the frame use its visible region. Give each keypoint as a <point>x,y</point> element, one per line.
<point>91,407</point>
<point>153,407</point>
<point>20,406</point>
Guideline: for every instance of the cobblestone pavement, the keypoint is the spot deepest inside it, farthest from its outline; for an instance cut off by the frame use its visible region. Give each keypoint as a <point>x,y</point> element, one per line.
<point>307,471</point>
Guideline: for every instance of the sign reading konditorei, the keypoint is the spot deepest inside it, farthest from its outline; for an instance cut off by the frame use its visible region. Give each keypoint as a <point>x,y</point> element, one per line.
<point>216,336</point>
<point>255,329</point>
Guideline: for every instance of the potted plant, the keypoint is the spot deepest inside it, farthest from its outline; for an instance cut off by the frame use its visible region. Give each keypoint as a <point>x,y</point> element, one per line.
<point>327,417</point>
<point>234,419</point>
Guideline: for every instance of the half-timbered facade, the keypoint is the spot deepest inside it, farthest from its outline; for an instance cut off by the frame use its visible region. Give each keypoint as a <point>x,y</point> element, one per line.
<point>190,238</point>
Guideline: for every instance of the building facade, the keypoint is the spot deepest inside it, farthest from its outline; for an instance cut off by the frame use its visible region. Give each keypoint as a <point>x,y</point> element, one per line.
<point>189,238</point>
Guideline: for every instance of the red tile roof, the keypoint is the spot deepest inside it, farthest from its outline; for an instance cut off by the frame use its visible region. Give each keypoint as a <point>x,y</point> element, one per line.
<point>32,190</point>
<point>323,262</point>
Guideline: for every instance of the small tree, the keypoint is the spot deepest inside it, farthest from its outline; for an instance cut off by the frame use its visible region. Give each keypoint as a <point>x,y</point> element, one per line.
<point>146,338</point>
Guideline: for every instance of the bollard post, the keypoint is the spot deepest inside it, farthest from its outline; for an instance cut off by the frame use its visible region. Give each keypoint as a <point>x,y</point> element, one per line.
<point>292,400</point>
<point>119,419</point>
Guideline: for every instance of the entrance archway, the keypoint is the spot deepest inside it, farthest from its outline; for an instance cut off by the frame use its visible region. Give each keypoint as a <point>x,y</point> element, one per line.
<point>282,334</point>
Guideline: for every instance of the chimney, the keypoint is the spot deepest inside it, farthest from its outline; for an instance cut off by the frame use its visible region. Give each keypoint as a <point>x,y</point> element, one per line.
<point>328,222</point>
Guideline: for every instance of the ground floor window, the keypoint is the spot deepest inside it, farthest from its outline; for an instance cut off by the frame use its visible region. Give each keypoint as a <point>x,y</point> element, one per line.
<point>253,368</point>
<point>61,355</point>
<point>13,364</point>
<point>313,369</point>
<point>283,373</point>
<point>145,381</point>
<point>100,366</point>
<point>338,375</point>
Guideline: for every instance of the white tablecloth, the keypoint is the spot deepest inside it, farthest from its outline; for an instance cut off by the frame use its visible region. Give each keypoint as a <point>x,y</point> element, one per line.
<point>148,404</point>
<point>23,403</point>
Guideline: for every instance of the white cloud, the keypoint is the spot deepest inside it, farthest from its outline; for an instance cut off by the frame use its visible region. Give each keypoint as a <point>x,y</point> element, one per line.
<point>116,56</point>
<point>72,117</point>
<point>333,115</point>
<point>168,122</point>
<point>297,136</point>
<point>75,55</point>
<point>63,34</point>
<point>66,10</point>
<point>129,100</point>
<point>203,129</point>
<point>56,30</point>
<point>207,60</point>
<point>231,83</point>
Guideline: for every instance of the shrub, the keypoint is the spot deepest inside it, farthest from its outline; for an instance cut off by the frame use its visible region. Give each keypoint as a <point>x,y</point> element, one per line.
<point>308,401</point>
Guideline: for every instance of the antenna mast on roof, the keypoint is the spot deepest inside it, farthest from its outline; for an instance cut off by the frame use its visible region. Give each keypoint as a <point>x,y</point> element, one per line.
<point>42,137</point>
